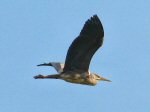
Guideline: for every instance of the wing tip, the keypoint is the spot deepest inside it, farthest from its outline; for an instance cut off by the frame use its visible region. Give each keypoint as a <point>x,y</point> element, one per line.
<point>93,21</point>
<point>45,64</point>
<point>95,16</point>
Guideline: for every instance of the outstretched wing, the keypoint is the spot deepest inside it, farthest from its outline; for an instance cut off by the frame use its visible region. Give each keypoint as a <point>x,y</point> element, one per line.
<point>84,46</point>
<point>58,66</point>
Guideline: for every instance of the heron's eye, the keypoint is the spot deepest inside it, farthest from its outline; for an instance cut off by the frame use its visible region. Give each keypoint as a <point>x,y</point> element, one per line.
<point>88,76</point>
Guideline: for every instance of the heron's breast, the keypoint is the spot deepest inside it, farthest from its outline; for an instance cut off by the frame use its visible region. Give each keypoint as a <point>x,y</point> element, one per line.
<point>74,78</point>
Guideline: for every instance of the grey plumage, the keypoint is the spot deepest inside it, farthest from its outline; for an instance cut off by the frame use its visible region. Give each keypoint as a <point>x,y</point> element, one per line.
<point>85,45</point>
<point>58,66</point>
<point>79,55</point>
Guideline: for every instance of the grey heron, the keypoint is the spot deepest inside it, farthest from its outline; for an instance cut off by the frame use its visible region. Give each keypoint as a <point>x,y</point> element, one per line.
<point>76,66</point>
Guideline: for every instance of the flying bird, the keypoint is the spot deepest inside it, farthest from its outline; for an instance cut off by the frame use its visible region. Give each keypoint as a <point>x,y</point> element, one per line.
<point>76,66</point>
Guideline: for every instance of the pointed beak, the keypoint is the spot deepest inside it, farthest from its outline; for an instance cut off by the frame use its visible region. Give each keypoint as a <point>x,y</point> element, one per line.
<point>104,79</point>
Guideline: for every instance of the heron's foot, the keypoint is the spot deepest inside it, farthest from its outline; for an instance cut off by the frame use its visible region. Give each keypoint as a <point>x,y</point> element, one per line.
<point>39,76</point>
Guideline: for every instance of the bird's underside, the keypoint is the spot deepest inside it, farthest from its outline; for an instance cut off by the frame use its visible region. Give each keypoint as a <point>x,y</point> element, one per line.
<point>76,66</point>
<point>69,76</point>
<point>78,77</point>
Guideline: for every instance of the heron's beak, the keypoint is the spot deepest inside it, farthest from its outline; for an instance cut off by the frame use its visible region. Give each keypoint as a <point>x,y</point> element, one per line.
<point>104,79</point>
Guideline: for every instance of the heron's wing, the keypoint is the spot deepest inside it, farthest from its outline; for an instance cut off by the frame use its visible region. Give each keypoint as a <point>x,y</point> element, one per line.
<point>85,45</point>
<point>58,66</point>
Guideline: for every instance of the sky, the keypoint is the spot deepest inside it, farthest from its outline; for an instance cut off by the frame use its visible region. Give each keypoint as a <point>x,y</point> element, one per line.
<point>37,31</point>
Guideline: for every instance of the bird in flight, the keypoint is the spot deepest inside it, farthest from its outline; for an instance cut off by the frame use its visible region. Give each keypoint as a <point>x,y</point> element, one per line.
<point>76,66</point>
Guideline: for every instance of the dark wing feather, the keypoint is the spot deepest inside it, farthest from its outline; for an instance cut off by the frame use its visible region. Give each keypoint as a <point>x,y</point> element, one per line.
<point>84,46</point>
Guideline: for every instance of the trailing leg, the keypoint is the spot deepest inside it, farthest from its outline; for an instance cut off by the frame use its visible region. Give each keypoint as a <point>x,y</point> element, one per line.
<point>56,76</point>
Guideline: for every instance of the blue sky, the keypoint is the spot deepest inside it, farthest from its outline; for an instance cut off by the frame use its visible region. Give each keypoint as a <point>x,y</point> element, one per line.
<point>37,31</point>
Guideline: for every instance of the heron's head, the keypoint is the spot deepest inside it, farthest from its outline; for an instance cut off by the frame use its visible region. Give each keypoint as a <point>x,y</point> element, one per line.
<point>99,78</point>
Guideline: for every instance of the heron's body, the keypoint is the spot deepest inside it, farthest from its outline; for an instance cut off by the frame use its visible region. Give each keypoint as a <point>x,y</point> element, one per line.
<point>76,66</point>
<point>74,78</point>
<point>79,78</point>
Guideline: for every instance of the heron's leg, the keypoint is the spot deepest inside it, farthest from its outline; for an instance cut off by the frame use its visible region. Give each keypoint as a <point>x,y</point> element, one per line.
<point>56,76</point>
